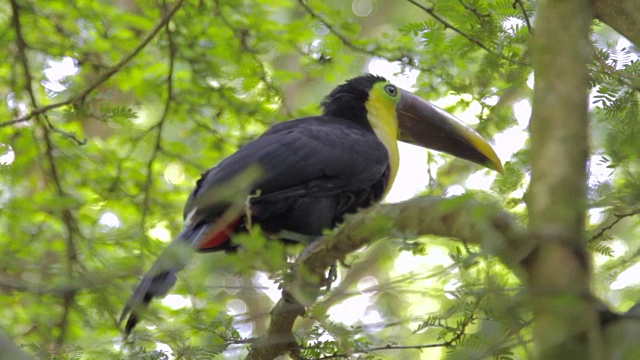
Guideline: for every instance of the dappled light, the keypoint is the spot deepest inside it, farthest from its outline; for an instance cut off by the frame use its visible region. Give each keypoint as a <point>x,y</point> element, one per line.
<point>112,112</point>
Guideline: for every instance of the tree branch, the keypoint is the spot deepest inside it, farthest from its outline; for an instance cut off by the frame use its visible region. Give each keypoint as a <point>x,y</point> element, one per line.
<point>461,218</point>
<point>622,15</point>
<point>105,76</point>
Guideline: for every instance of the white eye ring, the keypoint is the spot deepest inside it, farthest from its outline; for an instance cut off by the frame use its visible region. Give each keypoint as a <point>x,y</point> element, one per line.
<point>391,90</point>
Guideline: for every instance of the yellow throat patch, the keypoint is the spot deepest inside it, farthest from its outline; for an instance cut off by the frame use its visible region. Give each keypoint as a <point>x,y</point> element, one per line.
<point>381,113</point>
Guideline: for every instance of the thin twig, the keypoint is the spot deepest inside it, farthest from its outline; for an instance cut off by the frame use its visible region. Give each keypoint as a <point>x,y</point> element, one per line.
<point>622,78</point>
<point>524,14</point>
<point>71,225</point>
<point>496,229</point>
<point>475,11</point>
<point>243,35</point>
<point>431,11</point>
<point>350,44</point>
<point>387,347</point>
<point>363,50</point>
<point>357,48</point>
<point>618,218</point>
<point>336,33</point>
<point>167,104</point>
<point>459,333</point>
<point>105,76</point>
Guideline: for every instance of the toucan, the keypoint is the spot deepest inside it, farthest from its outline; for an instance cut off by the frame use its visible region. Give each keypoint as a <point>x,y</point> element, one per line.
<point>312,172</point>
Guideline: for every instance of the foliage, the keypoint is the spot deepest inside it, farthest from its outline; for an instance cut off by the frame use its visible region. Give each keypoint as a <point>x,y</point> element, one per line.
<point>92,188</point>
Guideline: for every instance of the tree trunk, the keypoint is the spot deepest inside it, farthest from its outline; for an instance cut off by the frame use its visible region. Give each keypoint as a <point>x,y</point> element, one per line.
<point>566,321</point>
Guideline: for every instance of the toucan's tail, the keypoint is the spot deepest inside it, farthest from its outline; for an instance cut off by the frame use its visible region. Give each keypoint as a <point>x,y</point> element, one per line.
<point>150,287</point>
<point>162,275</point>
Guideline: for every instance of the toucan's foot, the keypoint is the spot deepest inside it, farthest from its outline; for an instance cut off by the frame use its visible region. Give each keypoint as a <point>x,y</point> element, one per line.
<point>309,250</point>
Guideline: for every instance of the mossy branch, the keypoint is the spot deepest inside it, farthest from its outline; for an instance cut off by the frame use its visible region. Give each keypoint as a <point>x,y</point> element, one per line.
<point>463,218</point>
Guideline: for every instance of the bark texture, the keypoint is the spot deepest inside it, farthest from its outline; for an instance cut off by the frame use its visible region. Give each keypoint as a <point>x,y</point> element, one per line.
<point>622,15</point>
<point>464,219</point>
<point>566,318</point>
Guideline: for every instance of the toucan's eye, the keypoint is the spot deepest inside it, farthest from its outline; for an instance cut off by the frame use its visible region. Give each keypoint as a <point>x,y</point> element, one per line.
<point>391,90</point>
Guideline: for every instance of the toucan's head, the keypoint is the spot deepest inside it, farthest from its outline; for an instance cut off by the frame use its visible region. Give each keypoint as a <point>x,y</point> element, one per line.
<point>397,114</point>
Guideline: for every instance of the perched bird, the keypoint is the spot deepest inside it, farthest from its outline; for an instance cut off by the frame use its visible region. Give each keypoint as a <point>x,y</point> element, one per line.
<point>311,172</point>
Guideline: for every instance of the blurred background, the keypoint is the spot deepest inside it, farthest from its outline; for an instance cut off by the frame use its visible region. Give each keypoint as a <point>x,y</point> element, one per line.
<point>111,110</point>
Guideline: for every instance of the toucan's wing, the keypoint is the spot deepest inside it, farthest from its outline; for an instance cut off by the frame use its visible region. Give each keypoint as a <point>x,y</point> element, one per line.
<point>311,157</point>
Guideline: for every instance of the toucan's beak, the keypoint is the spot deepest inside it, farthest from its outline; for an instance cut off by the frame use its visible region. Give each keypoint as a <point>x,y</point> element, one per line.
<point>426,125</point>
